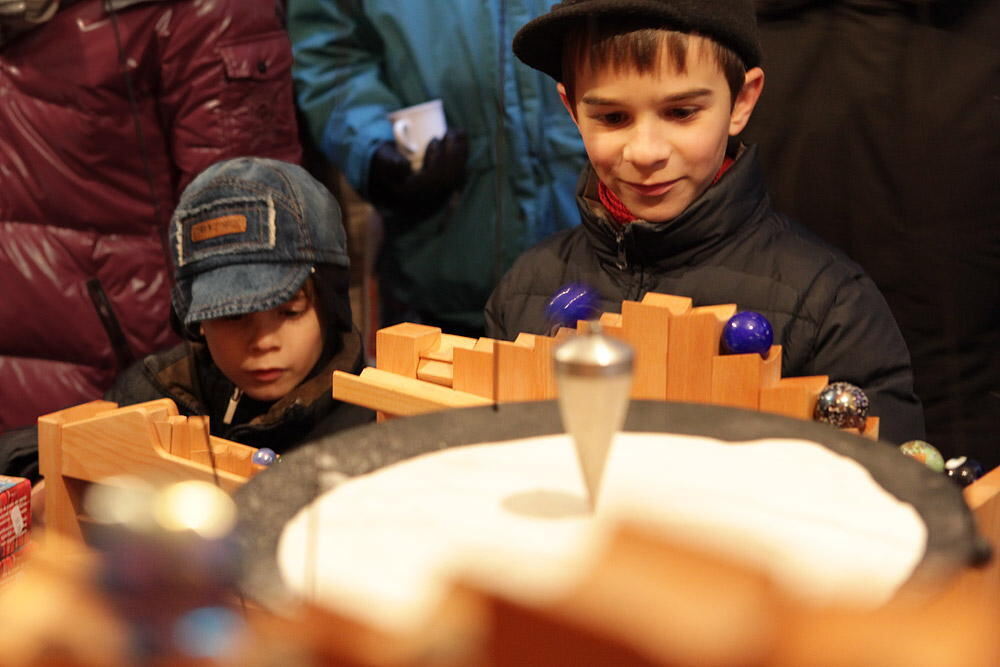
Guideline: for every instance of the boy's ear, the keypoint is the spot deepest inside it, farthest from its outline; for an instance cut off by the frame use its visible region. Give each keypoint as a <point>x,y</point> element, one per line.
<point>566,101</point>
<point>746,100</point>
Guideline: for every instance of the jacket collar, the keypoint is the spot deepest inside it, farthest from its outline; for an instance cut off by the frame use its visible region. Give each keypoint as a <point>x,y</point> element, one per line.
<point>714,218</point>
<point>192,379</point>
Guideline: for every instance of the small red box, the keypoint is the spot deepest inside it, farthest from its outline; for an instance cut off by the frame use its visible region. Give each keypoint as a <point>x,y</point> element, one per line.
<point>12,564</point>
<point>15,514</point>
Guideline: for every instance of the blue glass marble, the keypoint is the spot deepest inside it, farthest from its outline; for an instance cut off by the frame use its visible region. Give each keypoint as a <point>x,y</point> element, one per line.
<point>747,332</point>
<point>264,456</point>
<point>962,470</point>
<point>843,405</point>
<point>571,303</point>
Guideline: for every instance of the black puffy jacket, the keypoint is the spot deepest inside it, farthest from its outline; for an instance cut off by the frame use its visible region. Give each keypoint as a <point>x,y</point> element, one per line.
<point>729,246</point>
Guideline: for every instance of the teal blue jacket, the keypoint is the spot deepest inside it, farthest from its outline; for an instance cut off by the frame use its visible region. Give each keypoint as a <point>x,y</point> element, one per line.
<point>356,61</point>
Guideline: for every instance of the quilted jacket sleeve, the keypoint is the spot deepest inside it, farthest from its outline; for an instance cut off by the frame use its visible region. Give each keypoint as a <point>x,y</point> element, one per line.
<point>226,86</point>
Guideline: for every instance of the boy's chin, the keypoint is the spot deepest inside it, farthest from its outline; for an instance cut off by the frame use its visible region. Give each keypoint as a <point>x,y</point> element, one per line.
<point>657,214</point>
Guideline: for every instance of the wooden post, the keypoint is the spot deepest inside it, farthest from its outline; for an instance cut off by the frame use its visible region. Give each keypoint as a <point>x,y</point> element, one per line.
<point>525,368</point>
<point>645,328</point>
<point>737,379</point>
<point>61,498</point>
<point>398,348</point>
<point>793,397</point>
<point>473,369</point>
<point>693,344</point>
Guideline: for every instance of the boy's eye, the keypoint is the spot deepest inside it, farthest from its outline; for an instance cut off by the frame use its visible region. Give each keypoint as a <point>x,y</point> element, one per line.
<point>292,312</point>
<point>611,118</point>
<point>682,113</point>
<point>233,318</point>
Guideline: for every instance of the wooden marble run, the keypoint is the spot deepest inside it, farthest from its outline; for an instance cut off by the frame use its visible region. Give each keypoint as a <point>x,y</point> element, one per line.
<point>97,441</point>
<point>420,369</point>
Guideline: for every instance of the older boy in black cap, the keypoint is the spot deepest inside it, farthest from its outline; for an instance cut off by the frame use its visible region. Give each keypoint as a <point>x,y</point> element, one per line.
<point>671,202</point>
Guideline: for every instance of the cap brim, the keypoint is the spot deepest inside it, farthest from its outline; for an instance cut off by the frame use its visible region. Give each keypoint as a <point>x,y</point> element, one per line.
<point>240,289</point>
<point>539,43</point>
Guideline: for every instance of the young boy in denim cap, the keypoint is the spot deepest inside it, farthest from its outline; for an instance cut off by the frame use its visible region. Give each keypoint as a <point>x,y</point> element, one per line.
<point>671,202</point>
<point>261,295</point>
<point>261,269</point>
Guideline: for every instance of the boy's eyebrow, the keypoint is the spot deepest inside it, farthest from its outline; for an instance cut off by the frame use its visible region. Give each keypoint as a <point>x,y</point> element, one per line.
<point>594,100</point>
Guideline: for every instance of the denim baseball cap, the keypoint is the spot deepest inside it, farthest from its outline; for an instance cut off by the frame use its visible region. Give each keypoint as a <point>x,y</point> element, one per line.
<point>246,234</point>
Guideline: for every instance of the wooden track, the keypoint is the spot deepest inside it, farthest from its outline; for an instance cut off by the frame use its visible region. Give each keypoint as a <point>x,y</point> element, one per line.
<point>93,442</point>
<point>420,369</point>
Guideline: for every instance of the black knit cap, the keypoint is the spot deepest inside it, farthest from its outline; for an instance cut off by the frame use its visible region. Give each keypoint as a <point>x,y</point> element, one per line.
<point>732,23</point>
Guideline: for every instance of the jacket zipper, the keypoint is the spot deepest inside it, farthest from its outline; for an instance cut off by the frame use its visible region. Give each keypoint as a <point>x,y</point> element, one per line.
<point>622,259</point>
<point>635,278</point>
<point>231,408</point>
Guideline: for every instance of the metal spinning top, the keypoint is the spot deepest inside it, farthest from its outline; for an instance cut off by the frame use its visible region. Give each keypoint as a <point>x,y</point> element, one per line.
<point>594,376</point>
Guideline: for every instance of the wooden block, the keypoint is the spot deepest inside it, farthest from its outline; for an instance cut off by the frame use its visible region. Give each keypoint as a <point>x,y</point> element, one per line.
<point>677,305</point>
<point>611,324</point>
<point>646,327</point>
<point>61,498</point>
<point>472,369</point>
<point>737,379</point>
<point>525,369</point>
<point>438,372</point>
<point>197,434</point>
<point>562,333</point>
<point>164,431</point>
<point>398,348</point>
<point>692,345</point>
<point>180,438</point>
<point>794,396</point>
<point>397,395</point>
<point>444,350</point>
<point>232,456</point>
<point>123,443</point>
<point>869,431</point>
<point>983,498</point>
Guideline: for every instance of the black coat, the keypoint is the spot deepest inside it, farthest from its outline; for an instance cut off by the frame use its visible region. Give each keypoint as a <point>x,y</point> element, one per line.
<point>729,247</point>
<point>187,375</point>
<point>879,129</point>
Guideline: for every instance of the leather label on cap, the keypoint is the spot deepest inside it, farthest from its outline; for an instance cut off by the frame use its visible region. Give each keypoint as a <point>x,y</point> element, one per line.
<point>210,229</point>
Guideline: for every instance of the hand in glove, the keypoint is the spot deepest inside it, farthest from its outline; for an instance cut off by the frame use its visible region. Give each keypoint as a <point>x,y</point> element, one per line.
<point>393,184</point>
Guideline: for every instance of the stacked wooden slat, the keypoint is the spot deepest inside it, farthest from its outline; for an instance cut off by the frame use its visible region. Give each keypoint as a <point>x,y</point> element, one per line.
<point>420,369</point>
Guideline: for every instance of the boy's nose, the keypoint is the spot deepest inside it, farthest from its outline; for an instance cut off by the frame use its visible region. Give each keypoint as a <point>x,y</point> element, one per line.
<point>264,334</point>
<point>648,147</point>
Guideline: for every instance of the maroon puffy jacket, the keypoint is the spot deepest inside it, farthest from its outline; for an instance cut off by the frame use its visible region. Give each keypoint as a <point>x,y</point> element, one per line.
<point>105,116</point>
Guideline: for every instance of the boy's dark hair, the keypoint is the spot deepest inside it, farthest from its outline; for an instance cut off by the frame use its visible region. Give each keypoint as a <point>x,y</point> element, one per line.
<point>628,44</point>
<point>730,23</point>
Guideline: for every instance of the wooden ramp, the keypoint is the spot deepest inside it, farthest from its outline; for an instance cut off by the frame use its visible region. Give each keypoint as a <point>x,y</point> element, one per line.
<point>95,441</point>
<point>421,369</point>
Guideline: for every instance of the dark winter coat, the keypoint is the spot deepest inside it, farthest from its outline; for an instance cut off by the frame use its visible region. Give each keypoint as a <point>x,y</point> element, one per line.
<point>879,129</point>
<point>92,159</point>
<point>187,375</point>
<point>729,246</point>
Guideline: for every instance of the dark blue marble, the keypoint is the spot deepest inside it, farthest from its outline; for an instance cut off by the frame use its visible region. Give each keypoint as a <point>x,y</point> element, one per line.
<point>571,303</point>
<point>962,470</point>
<point>747,332</point>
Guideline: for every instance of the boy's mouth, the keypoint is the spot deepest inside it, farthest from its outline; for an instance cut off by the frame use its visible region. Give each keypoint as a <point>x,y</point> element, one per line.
<point>267,374</point>
<point>651,189</point>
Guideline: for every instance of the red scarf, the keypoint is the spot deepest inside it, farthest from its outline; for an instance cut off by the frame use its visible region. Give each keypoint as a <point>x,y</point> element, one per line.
<point>616,207</point>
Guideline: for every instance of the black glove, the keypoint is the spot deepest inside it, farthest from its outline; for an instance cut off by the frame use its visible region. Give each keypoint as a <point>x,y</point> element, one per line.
<point>393,184</point>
